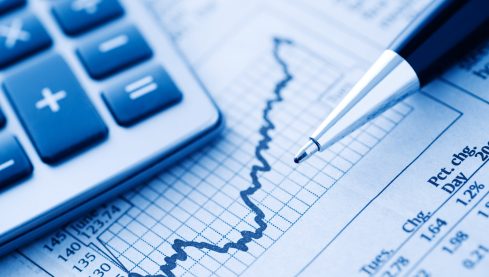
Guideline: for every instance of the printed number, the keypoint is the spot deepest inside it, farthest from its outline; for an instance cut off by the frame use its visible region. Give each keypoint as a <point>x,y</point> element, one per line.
<point>433,229</point>
<point>396,268</point>
<point>101,270</point>
<point>422,273</point>
<point>71,250</point>
<point>57,239</point>
<point>84,262</point>
<point>455,242</point>
<point>475,257</point>
<point>485,211</point>
<point>483,154</point>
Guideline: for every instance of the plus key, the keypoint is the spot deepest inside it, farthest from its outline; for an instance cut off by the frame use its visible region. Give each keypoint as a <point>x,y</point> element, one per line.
<point>50,100</point>
<point>53,108</point>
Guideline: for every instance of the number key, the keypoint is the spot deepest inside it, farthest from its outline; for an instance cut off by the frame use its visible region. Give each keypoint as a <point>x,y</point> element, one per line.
<point>80,16</point>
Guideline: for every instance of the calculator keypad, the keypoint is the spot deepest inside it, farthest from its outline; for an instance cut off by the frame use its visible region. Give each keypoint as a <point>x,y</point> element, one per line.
<point>54,109</point>
<point>78,16</point>
<point>113,51</point>
<point>21,36</point>
<point>46,96</point>
<point>148,92</point>
<point>14,164</point>
<point>70,146</point>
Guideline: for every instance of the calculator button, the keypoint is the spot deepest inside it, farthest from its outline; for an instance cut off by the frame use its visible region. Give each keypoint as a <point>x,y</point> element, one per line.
<point>21,36</point>
<point>3,120</point>
<point>113,52</point>
<point>141,96</point>
<point>7,5</point>
<point>14,164</point>
<point>79,16</point>
<point>54,109</point>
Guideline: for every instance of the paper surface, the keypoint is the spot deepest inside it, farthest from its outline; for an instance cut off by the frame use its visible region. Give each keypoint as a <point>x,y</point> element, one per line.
<point>404,196</point>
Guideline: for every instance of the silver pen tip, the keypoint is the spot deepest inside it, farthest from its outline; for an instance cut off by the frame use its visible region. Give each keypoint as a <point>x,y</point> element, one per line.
<point>305,152</point>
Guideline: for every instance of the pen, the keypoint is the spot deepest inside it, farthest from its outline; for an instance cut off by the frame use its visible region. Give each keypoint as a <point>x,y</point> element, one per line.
<point>429,44</point>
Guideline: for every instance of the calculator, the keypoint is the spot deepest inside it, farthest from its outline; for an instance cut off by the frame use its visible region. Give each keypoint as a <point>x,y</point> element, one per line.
<point>95,98</point>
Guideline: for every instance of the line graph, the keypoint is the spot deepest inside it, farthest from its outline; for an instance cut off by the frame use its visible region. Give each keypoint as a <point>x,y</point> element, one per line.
<point>240,206</point>
<point>219,210</point>
<point>247,236</point>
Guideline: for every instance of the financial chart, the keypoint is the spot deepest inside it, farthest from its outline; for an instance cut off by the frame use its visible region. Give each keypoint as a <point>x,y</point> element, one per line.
<point>368,206</point>
<point>221,209</point>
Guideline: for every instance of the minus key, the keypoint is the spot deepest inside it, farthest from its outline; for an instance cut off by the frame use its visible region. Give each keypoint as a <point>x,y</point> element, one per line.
<point>14,163</point>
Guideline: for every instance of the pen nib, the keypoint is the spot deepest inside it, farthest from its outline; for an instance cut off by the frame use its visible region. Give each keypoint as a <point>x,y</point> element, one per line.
<point>305,152</point>
<point>299,157</point>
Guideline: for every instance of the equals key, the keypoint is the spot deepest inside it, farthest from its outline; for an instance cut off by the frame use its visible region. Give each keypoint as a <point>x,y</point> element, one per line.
<point>146,93</point>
